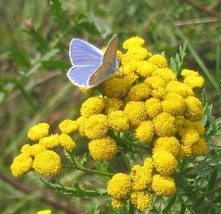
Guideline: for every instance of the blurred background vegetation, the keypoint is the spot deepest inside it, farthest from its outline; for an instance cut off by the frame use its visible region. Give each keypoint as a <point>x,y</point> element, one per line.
<point>34,59</point>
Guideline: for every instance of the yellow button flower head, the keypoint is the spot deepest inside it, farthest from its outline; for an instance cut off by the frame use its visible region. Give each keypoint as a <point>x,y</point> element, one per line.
<point>117,203</point>
<point>138,53</point>
<point>91,106</point>
<point>67,142</point>
<point>153,107</point>
<point>21,164</point>
<point>38,131</point>
<point>159,93</point>
<point>190,137</point>
<point>129,68</point>
<point>164,125</point>
<point>139,92</point>
<point>195,125</point>
<point>141,177</point>
<point>68,126</point>
<point>102,149</point>
<point>164,162</point>
<point>194,111</point>
<point>145,132</point>
<point>135,112</point>
<point>141,200</point>
<point>119,186</point>
<point>159,60</point>
<point>174,104</point>
<point>199,148</point>
<point>50,142</point>
<point>132,42</point>
<point>179,88</point>
<point>192,78</point>
<point>32,150</point>
<point>44,212</point>
<point>163,185</point>
<point>145,68</point>
<point>113,104</point>
<point>81,121</point>
<point>165,73</point>
<point>170,144</point>
<point>96,126</point>
<point>155,82</point>
<point>47,163</point>
<point>118,121</point>
<point>185,151</point>
<point>116,87</point>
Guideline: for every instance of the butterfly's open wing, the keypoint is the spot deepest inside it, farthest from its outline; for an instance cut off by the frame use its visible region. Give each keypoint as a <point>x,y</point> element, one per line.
<point>83,53</point>
<point>79,75</point>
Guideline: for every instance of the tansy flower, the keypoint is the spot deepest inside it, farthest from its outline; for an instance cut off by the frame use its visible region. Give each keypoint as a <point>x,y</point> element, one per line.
<point>174,104</point>
<point>153,107</point>
<point>131,78</point>
<point>50,142</point>
<point>68,126</point>
<point>165,73</point>
<point>200,147</point>
<point>139,92</point>
<point>132,42</point>
<point>164,125</point>
<point>148,165</point>
<point>96,126</point>
<point>47,163</point>
<point>163,185</point>
<point>135,112</point>
<point>141,199</point>
<point>155,82</point>
<point>113,104</point>
<point>159,93</point>
<point>119,186</point>
<point>192,78</point>
<point>102,149</point>
<point>118,121</point>
<point>67,142</point>
<point>38,131</point>
<point>189,137</point>
<point>117,203</point>
<point>194,110</point>
<point>116,87</point>
<point>159,60</point>
<point>32,150</point>
<point>91,106</point>
<point>196,125</point>
<point>185,151</point>
<point>145,132</point>
<point>130,67</point>
<point>44,212</point>
<point>170,144</point>
<point>138,53</point>
<point>141,177</point>
<point>164,162</point>
<point>179,88</point>
<point>81,121</point>
<point>21,164</point>
<point>145,68</point>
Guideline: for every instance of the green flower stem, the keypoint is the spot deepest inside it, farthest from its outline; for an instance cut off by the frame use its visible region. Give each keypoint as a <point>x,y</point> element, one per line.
<point>89,170</point>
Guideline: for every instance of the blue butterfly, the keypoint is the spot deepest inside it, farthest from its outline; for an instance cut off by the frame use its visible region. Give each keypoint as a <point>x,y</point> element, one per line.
<point>91,66</point>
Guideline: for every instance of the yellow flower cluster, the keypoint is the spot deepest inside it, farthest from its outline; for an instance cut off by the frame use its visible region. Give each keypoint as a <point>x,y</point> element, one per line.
<point>163,112</point>
<point>40,156</point>
<point>145,98</point>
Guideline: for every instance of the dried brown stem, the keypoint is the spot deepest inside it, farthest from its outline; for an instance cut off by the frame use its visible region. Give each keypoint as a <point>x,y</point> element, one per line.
<point>43,198</point>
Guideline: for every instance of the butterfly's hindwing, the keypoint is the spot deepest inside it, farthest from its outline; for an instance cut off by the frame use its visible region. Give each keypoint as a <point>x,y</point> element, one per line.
<point>79,75</point>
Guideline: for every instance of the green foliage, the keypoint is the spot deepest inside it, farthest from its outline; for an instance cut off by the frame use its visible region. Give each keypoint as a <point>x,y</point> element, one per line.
<point>33,87</point>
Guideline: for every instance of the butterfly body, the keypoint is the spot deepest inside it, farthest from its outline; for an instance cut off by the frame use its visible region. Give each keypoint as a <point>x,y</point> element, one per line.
<point>91,66</point>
